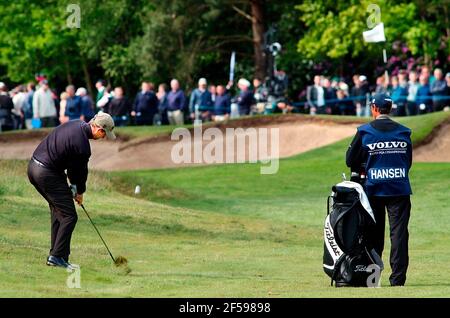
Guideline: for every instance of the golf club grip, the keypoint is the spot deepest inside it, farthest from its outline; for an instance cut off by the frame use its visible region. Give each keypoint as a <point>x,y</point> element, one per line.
<point>98,232</point>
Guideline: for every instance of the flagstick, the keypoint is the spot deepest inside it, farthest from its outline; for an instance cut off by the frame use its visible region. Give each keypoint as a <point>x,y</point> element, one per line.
<point>232,65</point>
<point>386,75</point>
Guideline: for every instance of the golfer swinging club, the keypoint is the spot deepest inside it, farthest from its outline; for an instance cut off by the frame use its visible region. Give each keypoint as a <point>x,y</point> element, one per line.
<point>384,148</point>
<point>65,148</point>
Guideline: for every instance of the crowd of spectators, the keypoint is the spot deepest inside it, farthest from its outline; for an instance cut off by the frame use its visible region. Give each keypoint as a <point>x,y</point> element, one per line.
<point>29,106</point>
<point>412,93</point>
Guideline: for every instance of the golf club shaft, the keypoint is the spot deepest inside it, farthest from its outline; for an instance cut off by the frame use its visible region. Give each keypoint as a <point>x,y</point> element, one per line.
<point>110,254</point>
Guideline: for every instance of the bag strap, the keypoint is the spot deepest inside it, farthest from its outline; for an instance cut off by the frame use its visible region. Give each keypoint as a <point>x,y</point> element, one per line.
<point>344,213</point>
<point>328,204</point>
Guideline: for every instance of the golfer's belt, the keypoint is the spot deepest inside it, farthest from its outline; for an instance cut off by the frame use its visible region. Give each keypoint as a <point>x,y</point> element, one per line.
<point>38,162</point>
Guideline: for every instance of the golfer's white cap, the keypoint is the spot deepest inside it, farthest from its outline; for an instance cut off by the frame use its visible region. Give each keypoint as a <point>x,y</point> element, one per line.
<point>106,122</point>
<point>202,81</point>
<point>362,78</point>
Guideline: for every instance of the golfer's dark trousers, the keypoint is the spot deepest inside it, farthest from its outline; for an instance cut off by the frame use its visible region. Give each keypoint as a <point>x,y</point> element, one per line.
<point>398,210</point>
<point>52,185</point>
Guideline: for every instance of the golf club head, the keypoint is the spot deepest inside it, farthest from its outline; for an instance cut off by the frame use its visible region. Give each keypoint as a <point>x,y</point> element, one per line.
<point>120,261</point>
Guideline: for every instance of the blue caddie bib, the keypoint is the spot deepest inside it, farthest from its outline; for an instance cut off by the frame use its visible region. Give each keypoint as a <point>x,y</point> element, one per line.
<point>389,155</point>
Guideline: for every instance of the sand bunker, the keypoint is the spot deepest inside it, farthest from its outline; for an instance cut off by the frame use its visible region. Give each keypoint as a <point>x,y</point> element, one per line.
<point>295,137</point>
<point>438,150</point>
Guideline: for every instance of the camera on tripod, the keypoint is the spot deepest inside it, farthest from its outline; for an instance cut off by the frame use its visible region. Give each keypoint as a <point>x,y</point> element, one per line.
<point>275,48</point>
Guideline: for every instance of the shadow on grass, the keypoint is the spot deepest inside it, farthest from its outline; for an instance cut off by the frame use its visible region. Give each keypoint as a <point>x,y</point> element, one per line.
<point>444,284</point>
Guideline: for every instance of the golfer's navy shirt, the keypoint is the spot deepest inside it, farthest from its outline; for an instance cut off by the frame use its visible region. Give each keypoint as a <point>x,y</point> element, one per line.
<point>67,148</point>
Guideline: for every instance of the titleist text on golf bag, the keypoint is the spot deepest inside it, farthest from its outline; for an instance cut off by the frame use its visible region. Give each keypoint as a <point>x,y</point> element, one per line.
<point>348,258</point>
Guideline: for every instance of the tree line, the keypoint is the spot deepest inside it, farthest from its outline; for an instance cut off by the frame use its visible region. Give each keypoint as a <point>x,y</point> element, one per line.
<point>127,41</point>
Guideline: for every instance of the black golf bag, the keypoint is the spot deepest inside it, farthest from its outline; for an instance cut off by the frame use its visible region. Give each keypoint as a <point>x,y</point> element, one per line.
<point>348,257</point>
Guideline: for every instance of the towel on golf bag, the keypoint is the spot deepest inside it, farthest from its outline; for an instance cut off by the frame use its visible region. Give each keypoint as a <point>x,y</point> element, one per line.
<point>347,253</point>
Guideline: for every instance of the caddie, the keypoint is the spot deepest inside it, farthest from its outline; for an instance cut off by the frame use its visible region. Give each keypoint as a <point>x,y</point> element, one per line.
<point>383,149</point>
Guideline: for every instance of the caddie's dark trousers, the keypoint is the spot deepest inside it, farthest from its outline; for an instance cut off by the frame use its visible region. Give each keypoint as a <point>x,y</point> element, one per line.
<point>398,209</point>
<point>53,187</point>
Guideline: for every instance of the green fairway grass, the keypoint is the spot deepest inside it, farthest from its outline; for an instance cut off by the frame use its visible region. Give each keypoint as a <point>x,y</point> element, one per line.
<point>216,231</point>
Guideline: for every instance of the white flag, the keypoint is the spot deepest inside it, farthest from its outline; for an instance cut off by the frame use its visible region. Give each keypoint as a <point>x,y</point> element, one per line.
<point>375,35</point>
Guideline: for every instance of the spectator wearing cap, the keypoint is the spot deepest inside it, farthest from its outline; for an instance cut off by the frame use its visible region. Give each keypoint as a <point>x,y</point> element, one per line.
<point>200,103</point>
<point>423,98</point>
<point>145,105</point>
<point>245,99</point>
<point>120,107</point>
<point>175,103</point>
<point>438,89</point>
<point>73,104</point>
<point>358,94</point>
<point>344,87</point>
<point>387,185</point>
<point>44,105</point>
<point>87,105</point>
